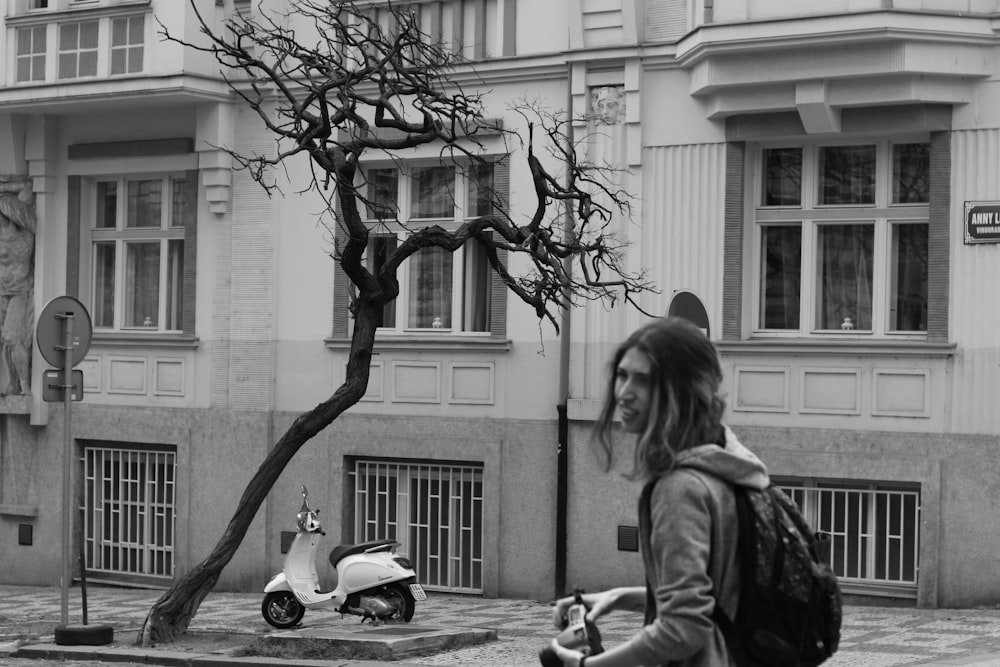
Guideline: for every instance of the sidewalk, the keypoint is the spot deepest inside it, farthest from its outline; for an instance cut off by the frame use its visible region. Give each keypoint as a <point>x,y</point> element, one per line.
<point>871,636</point>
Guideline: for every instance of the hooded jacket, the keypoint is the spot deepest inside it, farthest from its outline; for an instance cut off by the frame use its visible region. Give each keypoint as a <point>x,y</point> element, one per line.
<point>688,543</point>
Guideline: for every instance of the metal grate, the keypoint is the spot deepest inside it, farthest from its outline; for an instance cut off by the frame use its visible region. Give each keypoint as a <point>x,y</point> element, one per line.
<point>129,511</point>
<point>875,529</point>
<point>435,511</point>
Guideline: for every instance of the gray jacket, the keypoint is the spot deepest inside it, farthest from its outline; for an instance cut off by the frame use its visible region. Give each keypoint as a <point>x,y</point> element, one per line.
<point>689,553</point>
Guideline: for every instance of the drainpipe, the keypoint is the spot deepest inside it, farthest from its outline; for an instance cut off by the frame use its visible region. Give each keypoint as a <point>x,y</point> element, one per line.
<point>562,459</point>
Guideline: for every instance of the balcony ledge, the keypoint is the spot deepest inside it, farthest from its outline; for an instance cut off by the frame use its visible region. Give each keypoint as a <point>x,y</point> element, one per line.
<point>122,93</point>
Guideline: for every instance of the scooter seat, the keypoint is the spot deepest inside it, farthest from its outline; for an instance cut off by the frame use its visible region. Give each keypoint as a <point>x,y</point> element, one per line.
<point>342,551</point>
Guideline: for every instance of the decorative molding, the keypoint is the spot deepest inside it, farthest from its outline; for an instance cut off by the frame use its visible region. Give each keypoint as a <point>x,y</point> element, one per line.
<point>895,392</point>
<point>771,393</point>
<point>479,390</point>
<point>375,391</point>
<point>823,391</point>
<point>127,375</point>
<point>415,381</point>
<point>168,383</point>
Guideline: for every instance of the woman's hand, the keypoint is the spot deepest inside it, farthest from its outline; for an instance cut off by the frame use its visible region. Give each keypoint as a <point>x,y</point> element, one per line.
<point>569,657</point>
<point>626,598</point>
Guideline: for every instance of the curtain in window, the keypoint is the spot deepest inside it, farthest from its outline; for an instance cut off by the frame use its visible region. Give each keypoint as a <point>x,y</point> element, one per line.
<point>104,285</point>
<point>782,279</point>
<point>478,293</point>
<point>909,279</point>
<point>175,285</point>
<point>142,282</point>
<point>432,193</point>
<point>429,303</point>
<point>845,276</point>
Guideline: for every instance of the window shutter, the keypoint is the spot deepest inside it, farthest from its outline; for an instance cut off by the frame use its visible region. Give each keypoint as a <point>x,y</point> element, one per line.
<point>498,301</point>
<point>666,20</point>
<point>938,239</point>
<point>341,283</point>
<point>732,273</point>
<point>189,286</point>
<point>73,236</point>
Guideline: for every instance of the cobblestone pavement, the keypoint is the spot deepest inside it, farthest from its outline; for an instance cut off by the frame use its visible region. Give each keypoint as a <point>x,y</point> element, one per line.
<point>871,636</point>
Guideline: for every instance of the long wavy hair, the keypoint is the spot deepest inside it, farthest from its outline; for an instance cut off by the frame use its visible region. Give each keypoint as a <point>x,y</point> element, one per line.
<point>686,408</point>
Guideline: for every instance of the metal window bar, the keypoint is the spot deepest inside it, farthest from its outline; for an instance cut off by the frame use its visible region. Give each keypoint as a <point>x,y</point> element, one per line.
<point>875,530</point>
<point>129,511</point>
<point>434,511</point>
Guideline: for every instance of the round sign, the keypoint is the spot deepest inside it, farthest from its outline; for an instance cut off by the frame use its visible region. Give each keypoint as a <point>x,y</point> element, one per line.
<point>51,333</point>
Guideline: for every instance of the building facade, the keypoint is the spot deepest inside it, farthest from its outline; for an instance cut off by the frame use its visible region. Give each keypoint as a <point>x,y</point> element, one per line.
<point>817,187</point>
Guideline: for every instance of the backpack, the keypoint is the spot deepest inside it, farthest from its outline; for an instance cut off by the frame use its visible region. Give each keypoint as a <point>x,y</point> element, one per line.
<point>789,610</point>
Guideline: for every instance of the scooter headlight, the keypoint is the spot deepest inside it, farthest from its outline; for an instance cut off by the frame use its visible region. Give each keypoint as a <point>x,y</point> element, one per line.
<point>402,562</point>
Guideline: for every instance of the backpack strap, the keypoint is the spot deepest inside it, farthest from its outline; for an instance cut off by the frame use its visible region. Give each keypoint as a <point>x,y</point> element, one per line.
<point>748,565</point>
<point>646,528</point>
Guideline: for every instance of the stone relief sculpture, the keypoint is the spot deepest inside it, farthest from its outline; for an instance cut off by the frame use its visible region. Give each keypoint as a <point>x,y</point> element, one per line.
<point>607,104</point>
<point>17,282</point>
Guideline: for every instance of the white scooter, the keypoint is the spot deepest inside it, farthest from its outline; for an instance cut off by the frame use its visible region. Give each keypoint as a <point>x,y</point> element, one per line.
<point>373,581</point>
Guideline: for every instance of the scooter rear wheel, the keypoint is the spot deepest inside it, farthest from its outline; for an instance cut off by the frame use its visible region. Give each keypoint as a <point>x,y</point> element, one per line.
<point>281,609</point>
<point>400,597</point>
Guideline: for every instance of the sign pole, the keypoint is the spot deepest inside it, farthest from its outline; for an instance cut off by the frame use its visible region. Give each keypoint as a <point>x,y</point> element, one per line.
<point>67,472</point>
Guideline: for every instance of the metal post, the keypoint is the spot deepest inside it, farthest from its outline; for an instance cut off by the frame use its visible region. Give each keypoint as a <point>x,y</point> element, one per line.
<point>67,472</point>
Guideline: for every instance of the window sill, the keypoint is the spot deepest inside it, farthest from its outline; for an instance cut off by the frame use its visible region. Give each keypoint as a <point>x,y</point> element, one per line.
<point>831,347</point>
<point>126,339</point>
<point>448,342</point>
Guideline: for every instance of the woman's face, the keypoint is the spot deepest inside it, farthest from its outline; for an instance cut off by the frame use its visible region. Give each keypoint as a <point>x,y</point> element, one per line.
<point>634,390</point>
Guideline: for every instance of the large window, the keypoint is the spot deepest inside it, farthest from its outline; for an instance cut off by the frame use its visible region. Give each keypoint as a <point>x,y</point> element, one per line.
<point>78,49</point>
<point>439,290</point>
<point>138,252</point>
<point>103,46</point>
<point>842,237</point>
<point>127,44</point>
<point>30,58</point>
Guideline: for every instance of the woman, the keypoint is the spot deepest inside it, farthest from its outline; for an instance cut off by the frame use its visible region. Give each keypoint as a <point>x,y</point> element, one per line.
<point>665,388</point>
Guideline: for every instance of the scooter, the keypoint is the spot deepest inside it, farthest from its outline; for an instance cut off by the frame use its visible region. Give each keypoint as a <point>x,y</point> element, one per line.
<point>373,581</point>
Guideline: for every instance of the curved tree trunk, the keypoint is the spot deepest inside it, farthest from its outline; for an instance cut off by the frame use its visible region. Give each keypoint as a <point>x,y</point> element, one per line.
<point>171,615</point>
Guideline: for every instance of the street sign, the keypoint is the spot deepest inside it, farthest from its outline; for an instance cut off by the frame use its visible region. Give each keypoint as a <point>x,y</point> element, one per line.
<point>63,333</point>
<point>50,332</point>
<point>52,385</point>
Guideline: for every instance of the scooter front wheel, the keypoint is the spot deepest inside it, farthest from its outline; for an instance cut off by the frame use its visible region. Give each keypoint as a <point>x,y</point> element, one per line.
<point>281,609</point>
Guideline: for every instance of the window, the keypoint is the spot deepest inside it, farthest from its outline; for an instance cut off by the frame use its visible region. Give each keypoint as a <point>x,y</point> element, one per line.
<point>97,47</point>
<point>138,253</point>
<point>127,40</point>
<point>439,290</point>
<point>78,49</point>
<point>841,233</point>
<point>434,510</point>
<point>30,58</point>
<point>874,529</point>
<point>129,507</point>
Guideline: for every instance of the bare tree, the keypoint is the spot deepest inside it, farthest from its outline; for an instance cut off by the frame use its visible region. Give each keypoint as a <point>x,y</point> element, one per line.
<point>361,81</point>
